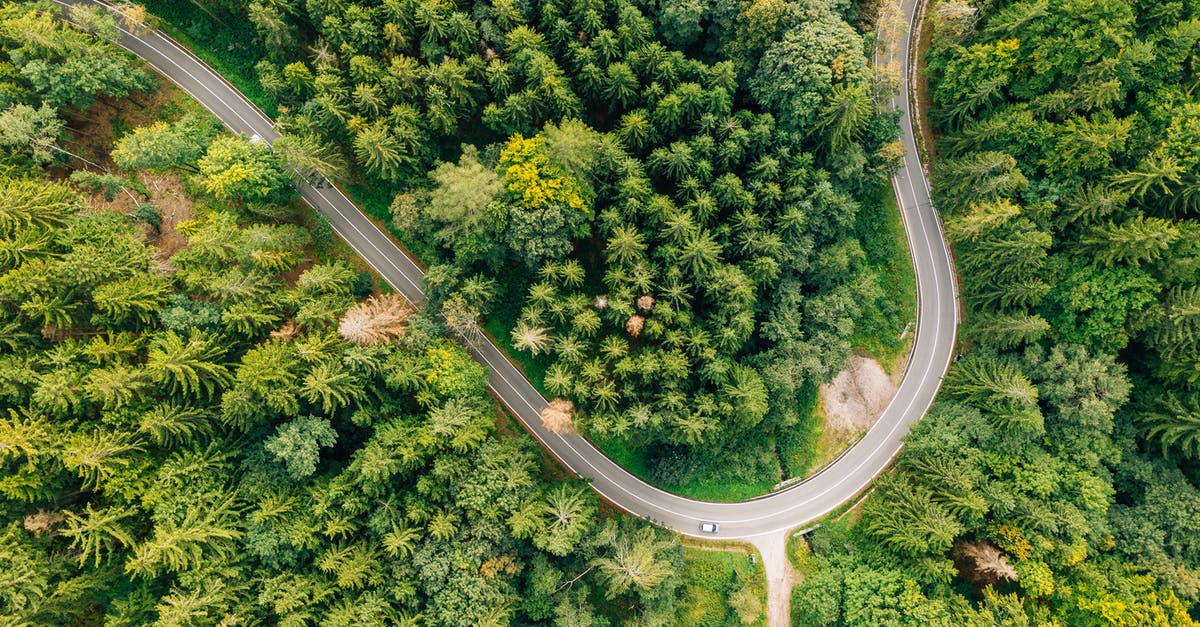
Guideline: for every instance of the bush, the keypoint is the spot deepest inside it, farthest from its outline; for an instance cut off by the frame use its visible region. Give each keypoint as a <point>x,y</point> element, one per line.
<point>829,538</point>
<point>797,443</point>
<point>672,466</point>
<point>147,213</point>
<point>736,461</point>
<point>364,284</point>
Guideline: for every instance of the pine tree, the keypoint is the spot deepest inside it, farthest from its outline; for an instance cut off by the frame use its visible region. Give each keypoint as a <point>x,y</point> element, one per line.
<point>400,542</point>
<point>978,176</point>
<point>203,534</point>
<point>997,387</point>
<point>1174,423</point>
<point>27,203</point>
<point>567,514</point>
<point>906,518</point>
<point>379,150</point>
<point>98,455</point>
<point>748,394</point>
<point>673,163</point>
<point>632,561</point>
<point>1180,324</point>
<point>1135,241</point>
<point>982,218</point>
<point>137,298</point>
<point>116,387</point>
<point>1021,293</point>
<point>36,132</point>
<point>979,97</point>
<point>173,424</point>
<point>528,337</point>
<point>309,158</point>
<point>625,247</point>
<point>1092,203</point>
<point>700,253</point>
<point>1007,330</point>
<point>354,566</point>
<point>189,366</point>
<point>635,130</point>
<point>559,380</point>
<point>845,118</point>
<point>97,534</point>
<point>1154,174</point>
<point>622,87</point>
<point>250,318</point>
<point>460,424</point>
<point>52,312</point>
<point>24,245</point>
<point>1007,255</point>
<point>329,384</point>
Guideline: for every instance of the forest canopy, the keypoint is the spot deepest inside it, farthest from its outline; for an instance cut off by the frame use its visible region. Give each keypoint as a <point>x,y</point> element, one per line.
<point>208,415</point>
<point>1055,480</point>
<point>671,187</point>
<point>237,426</point>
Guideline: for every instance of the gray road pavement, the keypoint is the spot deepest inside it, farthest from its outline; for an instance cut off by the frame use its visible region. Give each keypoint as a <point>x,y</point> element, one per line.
<point>758,518</point>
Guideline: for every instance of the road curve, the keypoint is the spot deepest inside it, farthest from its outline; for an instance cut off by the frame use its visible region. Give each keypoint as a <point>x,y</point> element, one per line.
<point>850,474</point>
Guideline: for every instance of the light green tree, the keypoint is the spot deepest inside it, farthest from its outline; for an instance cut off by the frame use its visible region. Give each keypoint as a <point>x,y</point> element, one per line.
<point>98,534</point>
<point>162,146</point>
<point>33,131</point>
<point>191,365</point>
<point>568,513</point>
<point>236,168</point>
<point>297,444</point>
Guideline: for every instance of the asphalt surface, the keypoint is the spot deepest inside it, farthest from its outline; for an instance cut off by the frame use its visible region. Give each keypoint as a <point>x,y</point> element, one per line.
<point>769,515</point>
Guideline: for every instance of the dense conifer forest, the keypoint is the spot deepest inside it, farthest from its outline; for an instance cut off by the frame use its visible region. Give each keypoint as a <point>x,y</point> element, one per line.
<point>666,212</point>
<point>1054,482</point>
<point>670,188</point>
<point>210,416</point>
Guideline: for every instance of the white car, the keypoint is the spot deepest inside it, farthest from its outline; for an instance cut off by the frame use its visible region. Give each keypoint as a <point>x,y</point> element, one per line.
<point>710,527</point>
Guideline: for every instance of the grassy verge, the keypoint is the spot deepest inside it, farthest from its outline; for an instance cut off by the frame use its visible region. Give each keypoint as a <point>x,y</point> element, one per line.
<point>831,530</point>
<point>799,555</point>
<point>499,325</point>
<point>831,444</point>
<point>225,42</point>
<point>922,103</point>
<point>635,461</point>
<point>798,444</point>
<point>883,239</point>
<point>722,587</point>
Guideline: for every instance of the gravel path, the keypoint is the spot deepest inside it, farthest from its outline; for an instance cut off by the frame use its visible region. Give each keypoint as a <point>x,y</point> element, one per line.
<point>780,577</point>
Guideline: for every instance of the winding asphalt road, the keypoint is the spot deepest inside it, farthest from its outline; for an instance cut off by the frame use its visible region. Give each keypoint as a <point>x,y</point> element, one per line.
<point>767,516</point>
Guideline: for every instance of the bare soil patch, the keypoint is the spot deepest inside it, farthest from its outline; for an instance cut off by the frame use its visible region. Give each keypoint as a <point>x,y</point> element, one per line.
<point>856,396</point>
<point>850,404</point>
<point>166,194</point>
<point>121,203</point>
<point>91,135</point>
